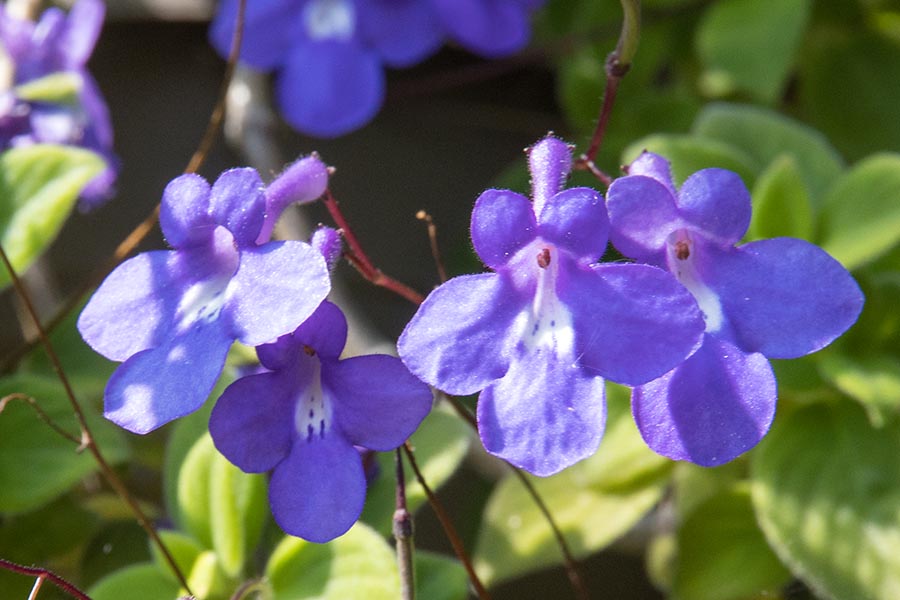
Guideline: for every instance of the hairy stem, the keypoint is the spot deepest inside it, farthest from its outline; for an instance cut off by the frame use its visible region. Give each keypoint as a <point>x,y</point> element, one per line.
<point>43,575</point>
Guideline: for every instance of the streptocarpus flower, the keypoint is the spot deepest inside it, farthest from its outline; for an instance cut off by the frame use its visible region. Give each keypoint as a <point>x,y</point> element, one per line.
<point>329,54</point>
<point>57,46</point>
<point>538,335</point>
<point>173,315</point>
<point>776,298</point>
<point>307,419</point>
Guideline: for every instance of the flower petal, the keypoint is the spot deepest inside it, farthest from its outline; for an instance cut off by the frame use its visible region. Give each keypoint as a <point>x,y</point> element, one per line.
<point>81,31</point>
<point>382,22</point>
<point>251,423</point>
<point>238,202</point>
<point>184,212</point>
<point>632,322</point>
<point>317,493</point>
<point>549,163</point>
<point>325,331</point>
<point>710,409</point>
<point>717,202</point>
<point>277,286</point>
<point>575,219</point>
<point>170,381</point>
<point>503,222</point>
<point>377,401</point>
<point>303,181</point>
<point>270,29</point>
<point>490,28</point>
<point>329,87</point>
<point>544,415</point>
<point>459,340</point>
<point>655,167</point>
<point>642,214</point>
<point>784,297</point>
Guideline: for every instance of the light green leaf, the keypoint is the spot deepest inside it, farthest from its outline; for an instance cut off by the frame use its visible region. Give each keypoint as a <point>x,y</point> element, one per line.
<point>184,550</point>
<point>440,577</point>
<point>861,216</point>
<point>593,502</point>
<point>781,205</point>
<point>137,582</point>
<point>874,381</point>
<point>722,554</point>
<point>38,188</point>
<point>690,153</point>
<point>207,580</point>
<point>36,463</point>
<point>826,492</point>
<point>62,87</point>
<point>765,135</point>
<point>749,45</point>
<point>194,490</point>
<point>359,565</point>
<point>440,445</point>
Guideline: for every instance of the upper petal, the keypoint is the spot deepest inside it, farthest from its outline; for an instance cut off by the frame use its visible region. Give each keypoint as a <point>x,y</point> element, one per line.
<point>642,214</point>
<point>549,163</point>
<point>303,181</point>
<point>632,322</point>
<point>544,415</point>
<point>490,28</point>
<point>277,286</point>
<point>81,31</point>
<point>575,220</point>
<point>184,211</point>
<point>502,223</point>
<point>784,297</point>
<point>403,32</point>
<point>717,202</point>
<point>238,202</point>
<point>710,409</point>
<point>460,338</point>
<point>325,331</point>
<point>317,492</point>
<point>270,29</point>
<point>655,167</point>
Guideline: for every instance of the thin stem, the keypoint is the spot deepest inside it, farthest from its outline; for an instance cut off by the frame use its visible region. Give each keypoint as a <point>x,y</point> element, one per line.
<point>43,574</point>
<point>432,239</point>
<point>447,524</point>
<point>86,436</point>
<point>359,259</point>
<point>403,535</point>
<point>42,416</point>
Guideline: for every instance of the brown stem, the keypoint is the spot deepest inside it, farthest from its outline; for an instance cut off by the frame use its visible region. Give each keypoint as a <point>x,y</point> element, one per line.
<point>447,524</point>
<point>403,534</point>
<point>44,575</point>
<point>432,239</point>
<point>42,416</point>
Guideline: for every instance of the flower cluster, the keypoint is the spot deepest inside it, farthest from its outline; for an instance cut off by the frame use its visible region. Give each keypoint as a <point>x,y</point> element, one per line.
<point>329,54</point>
<point>47,94</point>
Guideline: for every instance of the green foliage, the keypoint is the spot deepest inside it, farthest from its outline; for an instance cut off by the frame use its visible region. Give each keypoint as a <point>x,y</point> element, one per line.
<point>38,188</point>
<point>56,88</point>
<point>781,204</point>
<point>137,582</point>
<point>825,493</point>
<point>439,577</point>
<point>690,153</point>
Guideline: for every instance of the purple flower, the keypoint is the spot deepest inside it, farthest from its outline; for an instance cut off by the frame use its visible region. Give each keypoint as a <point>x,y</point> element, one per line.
<point>538,335</point>
<point>57,45</point>
<point>329,54</point>
<point>173,315</point>
<point>307,419</point>
<point>777,298</point>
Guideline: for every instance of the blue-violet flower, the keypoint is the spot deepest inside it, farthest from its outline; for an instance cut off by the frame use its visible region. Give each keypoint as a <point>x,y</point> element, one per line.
<point>776,298</point>
<point>538,335</point>
<point>173,315</point>
<point>57,45</point>
<point>307,418</point>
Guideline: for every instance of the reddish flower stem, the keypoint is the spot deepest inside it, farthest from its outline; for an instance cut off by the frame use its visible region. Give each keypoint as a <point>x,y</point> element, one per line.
<point>403,534</point>
<point>44,575</point>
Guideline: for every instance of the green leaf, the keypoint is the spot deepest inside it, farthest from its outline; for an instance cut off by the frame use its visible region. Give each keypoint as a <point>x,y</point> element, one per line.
<point>37,464</point>
<point>38,188</point>
<point>690,153</point>
<point>874,381</point>
<point>184,549</point>
<point>861,216</point>
<point>440,577</point>
<point>593,502</point>
<point>207,580</point>
<point>49,532</point>
<point>56,88</point>
<point>440,444</point>
<point>194,490</point>
<point>765,135</point>
<point>749,45</point>
<point>722,554</point>
<point>825,490</point>
<point>781,205</point>
<point>356,566</point>
<point>137,582</point>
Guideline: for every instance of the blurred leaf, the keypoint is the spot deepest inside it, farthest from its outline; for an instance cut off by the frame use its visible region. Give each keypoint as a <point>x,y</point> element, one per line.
<point>440,444</point>
<point>356,566</point>
<point>39,185</point>
<point>194,490</point>
<point>695,485</point>
<point>36,463</point>
<point>183,435</point>
<point>206,579</point>
<point>749,45</point>
<point>183,548</point>
<point>137,582</point>
<point>825,491</point>
<point>690,153</point>
<point>114,546</point>
<point>593,502</point>
<point>765,135</point>
<point>36,537</point>
<point>861,215</point>
<point>722,554</point>
<point>440,577</point>
<point>873,381</point>
<point>781,205</point>
<point>580,87</point>
<point>62,87</point>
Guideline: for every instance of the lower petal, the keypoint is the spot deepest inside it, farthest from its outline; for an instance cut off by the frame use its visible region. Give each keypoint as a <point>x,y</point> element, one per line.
<point>317,492</point>
<point>546,414</point>
<point>715,406</point>
<point>170,381</point>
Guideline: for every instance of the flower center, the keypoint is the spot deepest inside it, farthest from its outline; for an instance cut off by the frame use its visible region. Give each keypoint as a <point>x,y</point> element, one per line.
<point>202,302</point>
<point>312,413</point>
<point>681,255</point>
<point>547,322</point>
<point>330,19</point>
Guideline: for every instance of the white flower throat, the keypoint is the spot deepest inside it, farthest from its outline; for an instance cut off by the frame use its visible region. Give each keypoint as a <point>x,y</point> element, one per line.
<point>329,19</point>
<point>547,322</point>
<point>312,411</point>
<point>681,256</point>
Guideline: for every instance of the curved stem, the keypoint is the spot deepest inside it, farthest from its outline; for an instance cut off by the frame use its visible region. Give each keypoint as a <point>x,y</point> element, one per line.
<point>44,575</point>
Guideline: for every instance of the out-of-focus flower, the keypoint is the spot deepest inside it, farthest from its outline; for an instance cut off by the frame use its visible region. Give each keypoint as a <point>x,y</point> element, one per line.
<point>776,298</point>
<point>47,94</point>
